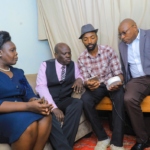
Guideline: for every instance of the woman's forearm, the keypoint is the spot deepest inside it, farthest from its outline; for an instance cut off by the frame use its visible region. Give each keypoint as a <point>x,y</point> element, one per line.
<point>7,107</point>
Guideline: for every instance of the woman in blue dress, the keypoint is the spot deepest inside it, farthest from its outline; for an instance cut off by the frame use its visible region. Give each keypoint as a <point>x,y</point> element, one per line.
<point>24,119</point>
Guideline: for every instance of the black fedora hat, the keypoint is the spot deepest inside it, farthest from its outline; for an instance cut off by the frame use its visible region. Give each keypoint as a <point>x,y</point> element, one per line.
<point>87,28</point>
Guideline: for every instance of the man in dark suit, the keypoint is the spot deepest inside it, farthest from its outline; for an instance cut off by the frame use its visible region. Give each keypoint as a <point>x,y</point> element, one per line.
<point>56,80</point>
<point>135,56</point>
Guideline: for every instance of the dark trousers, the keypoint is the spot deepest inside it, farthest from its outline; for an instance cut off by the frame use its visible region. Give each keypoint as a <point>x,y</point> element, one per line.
<point>136,90</point>
<point>63,138</point>
<point>90,99</point>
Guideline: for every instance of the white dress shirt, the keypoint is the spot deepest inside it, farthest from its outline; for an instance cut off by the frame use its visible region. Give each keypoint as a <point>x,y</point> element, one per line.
<point>134,58</point>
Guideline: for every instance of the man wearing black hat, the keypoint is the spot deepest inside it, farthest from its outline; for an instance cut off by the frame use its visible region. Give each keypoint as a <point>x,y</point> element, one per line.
<point>97,64</point>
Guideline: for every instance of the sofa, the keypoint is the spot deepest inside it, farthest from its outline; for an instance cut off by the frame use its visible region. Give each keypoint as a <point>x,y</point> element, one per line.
<point>84,125</point>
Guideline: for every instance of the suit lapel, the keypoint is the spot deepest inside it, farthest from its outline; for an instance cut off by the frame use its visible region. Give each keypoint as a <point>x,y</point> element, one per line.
<point>124,52</point>
<point>55,72</point>
<point>142,43</point>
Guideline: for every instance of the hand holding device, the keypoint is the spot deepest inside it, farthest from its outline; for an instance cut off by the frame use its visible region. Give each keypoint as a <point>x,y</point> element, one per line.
<point>114,83</point>
<point>93,83</point>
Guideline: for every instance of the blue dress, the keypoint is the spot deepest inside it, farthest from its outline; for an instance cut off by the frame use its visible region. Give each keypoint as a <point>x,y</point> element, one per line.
<point>15,89</point>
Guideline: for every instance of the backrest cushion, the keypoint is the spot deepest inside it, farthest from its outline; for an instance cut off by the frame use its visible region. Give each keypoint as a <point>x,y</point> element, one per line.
<point>32,81</point>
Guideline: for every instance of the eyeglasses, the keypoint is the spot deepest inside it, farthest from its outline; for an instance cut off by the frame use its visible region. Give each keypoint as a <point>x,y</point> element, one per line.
<point>124,33</point>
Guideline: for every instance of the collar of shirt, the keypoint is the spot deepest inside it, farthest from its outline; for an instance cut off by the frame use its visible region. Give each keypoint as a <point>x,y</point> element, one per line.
<point>137,38</point>
<point>59,66</point>
<point>90,56</point>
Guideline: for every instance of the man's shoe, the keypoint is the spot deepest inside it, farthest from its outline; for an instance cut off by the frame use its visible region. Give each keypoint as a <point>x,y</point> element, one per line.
<point>102,145</point>
<point>113,147</point>
<point>141,146</point>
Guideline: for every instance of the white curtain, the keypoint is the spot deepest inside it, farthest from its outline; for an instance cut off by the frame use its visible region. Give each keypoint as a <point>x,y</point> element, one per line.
<point>61,20</point>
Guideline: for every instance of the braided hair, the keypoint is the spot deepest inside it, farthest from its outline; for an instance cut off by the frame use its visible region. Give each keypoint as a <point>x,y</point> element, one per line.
<point>4,37</point>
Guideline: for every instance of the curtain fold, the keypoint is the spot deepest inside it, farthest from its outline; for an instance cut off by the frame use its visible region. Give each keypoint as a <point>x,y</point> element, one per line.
<point>61,20</point>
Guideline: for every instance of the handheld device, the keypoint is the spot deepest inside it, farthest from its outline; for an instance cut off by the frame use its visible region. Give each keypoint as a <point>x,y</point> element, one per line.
<point>94,78</point>
<point>113,81</point>
<point>43,100</point>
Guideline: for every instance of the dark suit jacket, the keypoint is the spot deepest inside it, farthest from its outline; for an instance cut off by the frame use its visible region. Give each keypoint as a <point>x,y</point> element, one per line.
<point>144,46</point>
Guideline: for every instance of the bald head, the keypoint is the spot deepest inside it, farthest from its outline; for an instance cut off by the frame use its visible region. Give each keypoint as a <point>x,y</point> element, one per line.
<point>63,53</point>
<point>60,46</point>
<point>128,31</point>
<point>127,21</point>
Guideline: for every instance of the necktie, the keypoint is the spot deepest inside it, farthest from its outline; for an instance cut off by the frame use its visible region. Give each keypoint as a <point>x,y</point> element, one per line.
<point>63,74</point>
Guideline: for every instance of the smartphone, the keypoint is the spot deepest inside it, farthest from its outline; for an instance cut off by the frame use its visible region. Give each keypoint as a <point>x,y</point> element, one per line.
<point>95,78</point>
<point>43,100</point>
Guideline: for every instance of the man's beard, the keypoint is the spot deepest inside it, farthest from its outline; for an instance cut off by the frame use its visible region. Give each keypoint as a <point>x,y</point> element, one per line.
<point>91,48</point>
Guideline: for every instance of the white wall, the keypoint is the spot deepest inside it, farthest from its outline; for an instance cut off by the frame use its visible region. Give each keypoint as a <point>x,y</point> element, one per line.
<point>19,18</point>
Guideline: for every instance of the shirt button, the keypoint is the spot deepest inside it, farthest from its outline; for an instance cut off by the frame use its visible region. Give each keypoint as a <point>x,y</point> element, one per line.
<point>17,87</point>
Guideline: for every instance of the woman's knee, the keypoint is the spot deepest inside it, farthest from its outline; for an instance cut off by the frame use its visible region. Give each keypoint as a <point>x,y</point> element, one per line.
<point>32,129</point>
<point>47,120</point>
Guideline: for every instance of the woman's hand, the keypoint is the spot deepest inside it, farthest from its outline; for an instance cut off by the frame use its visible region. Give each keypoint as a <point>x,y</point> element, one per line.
<point>51,106</point>
<point>38,107</point>
<point>33,99</point>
